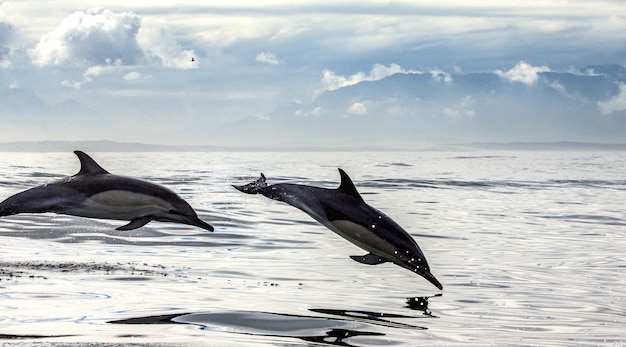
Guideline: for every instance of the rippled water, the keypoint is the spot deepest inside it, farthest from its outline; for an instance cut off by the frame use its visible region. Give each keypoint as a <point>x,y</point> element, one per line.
<point>530,248</point>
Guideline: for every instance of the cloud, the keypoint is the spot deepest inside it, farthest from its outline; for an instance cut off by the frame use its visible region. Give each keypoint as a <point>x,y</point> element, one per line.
<point>95,37</point>
<point>160,45</point>
<point>332,81</point>
<point>267,57</point>
<point>358,109</point>
<point>556,85</point>
<point>316,112</point>
<point>101,37</point>
<point>89,75</point>
<point>441,76</point>
<point>95,71</point>
<point>132,76</point>
<point>523,73</point>
<point>616,103</point>
<point>463,110</point>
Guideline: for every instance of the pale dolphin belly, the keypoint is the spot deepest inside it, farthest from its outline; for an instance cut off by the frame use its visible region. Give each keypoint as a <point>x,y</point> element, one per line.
<point>364,238</point>
<point>120,204</point>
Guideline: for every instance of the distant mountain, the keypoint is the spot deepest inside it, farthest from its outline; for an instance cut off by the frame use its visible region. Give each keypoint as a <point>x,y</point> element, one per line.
<point>112,146</point>
<point>550,146</point>
<point>96,146</point>
<point>415,107</point>
<point>30,105</point>
<point>401,111</point>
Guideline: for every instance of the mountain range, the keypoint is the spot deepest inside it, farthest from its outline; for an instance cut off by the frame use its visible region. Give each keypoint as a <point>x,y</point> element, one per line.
<point>403,110</point>
<point>426,107</point>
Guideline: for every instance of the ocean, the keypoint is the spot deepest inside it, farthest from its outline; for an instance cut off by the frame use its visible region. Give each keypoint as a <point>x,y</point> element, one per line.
<point>530,247</point>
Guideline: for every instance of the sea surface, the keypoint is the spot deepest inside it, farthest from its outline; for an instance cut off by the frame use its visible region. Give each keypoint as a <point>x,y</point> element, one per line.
<point>529,246</point>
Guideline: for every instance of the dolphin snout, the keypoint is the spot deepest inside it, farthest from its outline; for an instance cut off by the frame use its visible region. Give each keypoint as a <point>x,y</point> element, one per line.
<point>195,221</point>
<point>430,278</point>
<point>186,219</point>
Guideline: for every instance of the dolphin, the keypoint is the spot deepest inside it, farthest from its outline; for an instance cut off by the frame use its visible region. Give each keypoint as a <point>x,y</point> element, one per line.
<point>344,211</point>
<point>95,193</point>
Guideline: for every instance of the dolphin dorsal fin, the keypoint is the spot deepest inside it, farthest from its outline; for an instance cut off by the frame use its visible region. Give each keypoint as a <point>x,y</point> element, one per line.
<point>89,166</point>
<point>347,187</point>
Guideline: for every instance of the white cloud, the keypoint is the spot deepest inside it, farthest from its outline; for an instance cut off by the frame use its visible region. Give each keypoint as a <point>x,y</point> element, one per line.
<point>71,84</point>
<point>523,73</point>
<point>556,85</point>
<point>332,81</point>
<point>101,37</point>
<point>89,75</point>
<point>267,57</point>
<point>357,108</point>
<point>97,70</point>
<point>160,45</point>
<point>95,37</point>
<point>441,76</point>
<point>132,76</point>
<point>616,103</point>
<point>316,112</point>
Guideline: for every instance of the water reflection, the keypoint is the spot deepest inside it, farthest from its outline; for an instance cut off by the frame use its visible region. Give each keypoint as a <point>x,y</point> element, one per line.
<point>370,317</point>
<point>337,336</point>
<point>323,330</point>
<point>28,337</point>
<point>420,303</point>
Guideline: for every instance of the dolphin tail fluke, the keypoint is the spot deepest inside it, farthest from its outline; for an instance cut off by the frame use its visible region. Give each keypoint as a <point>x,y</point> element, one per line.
<point>254,187</point>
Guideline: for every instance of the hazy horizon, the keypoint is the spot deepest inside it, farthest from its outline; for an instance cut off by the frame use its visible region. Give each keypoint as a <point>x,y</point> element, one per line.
<point>114,146</point>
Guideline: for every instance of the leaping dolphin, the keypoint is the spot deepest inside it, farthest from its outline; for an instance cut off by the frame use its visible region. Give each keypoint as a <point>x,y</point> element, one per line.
<point>344,211</point>
<point>95,193</point>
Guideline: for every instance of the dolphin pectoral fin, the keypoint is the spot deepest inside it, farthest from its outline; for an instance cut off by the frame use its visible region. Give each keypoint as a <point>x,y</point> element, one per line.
<point>135,223</point>
<point>369,259</point>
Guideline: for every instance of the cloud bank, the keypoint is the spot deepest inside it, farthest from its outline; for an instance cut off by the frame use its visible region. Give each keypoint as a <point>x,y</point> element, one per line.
<point>101,37</point>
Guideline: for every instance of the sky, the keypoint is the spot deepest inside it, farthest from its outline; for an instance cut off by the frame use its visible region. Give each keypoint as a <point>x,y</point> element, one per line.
<point>195,72</point>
